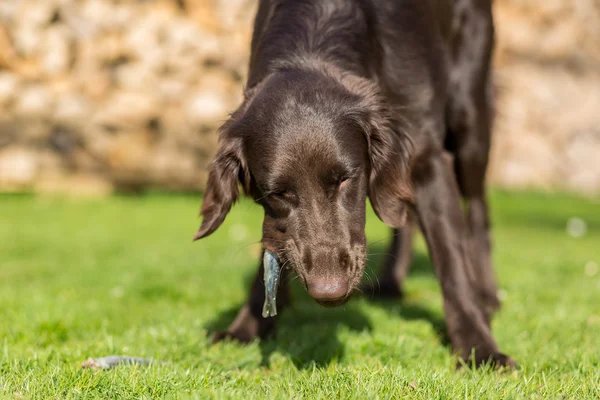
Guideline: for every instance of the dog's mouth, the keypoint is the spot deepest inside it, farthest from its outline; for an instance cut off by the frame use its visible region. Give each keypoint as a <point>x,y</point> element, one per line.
<point>334,303</point>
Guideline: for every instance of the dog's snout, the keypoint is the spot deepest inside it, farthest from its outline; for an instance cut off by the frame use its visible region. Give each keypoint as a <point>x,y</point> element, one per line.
<point>322,289</point>
<point>330,273</point>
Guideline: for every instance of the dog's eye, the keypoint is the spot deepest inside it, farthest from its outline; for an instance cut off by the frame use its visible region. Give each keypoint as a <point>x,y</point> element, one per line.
<point>285,195</point>
<point>342,182</point>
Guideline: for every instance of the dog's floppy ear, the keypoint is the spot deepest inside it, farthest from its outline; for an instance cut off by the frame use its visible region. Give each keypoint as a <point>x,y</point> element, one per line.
<point>390,188</point>
<point>389,147</point>
<point>226,172</point>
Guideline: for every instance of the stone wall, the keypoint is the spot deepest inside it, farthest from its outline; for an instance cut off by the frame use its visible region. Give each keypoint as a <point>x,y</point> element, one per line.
<point>100,94</point>
<point>548,76</point>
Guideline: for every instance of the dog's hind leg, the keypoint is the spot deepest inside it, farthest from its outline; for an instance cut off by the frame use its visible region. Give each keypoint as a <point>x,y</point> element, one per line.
<point>470,164</point>
<point>445,229</point>
<point>470,116</point>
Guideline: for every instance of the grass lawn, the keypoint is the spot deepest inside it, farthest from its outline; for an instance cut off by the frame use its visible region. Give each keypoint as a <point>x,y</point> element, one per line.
<point>89,278</point>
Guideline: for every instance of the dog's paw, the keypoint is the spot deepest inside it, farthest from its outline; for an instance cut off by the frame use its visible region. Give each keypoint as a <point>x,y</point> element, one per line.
<point>496,360</point>
<point>246,328</point>
<point>491,303</point>
<point>237,336</point>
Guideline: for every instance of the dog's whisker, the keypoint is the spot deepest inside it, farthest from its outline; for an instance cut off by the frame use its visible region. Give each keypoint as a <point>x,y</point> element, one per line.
<point>383,254</point>
<point>236,250</point>
<point>376,242</point>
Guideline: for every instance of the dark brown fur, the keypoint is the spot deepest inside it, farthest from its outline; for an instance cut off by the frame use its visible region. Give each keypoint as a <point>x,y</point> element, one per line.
<point>349,99</point>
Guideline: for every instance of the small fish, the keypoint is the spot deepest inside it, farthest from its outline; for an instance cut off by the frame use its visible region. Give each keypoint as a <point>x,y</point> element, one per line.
<point>271,277</point>
<point>112,361</point>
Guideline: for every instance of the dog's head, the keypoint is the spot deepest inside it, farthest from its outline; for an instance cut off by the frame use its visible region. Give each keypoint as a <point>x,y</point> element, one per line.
<point>310,146</point>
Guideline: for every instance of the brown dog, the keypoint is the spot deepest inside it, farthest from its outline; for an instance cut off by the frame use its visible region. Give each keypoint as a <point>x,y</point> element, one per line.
<point>353,98</point>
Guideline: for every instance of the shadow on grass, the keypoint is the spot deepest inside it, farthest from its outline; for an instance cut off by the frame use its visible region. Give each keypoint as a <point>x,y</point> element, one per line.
<point>308,333</point>
<point>409,311</point>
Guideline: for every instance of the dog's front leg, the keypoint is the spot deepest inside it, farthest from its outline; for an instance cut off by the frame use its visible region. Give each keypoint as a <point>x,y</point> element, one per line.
<point>249,323</point>
<point>444,226</point>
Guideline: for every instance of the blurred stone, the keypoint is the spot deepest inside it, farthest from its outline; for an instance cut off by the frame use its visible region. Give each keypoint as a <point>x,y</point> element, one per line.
<point>126,109</point>
<point>56,53</point>
<point>33,100</point>
<point>135,76</point>
<point>32,131</point>
<point>18,168</point>
<point>206,107</point>
<point>109,49</point>
<point>8,9</point>
<point>72,107</point>
<point>8,87</point>
<point>171,90</point>
<point>130,154</point>
<point>8,135</point>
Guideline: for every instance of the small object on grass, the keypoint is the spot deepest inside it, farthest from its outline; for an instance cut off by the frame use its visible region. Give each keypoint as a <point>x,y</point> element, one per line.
<point>271,277</point>
<point>112,361</point>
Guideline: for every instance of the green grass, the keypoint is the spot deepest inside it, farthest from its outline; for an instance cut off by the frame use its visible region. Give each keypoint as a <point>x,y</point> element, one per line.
<point>88,278</point>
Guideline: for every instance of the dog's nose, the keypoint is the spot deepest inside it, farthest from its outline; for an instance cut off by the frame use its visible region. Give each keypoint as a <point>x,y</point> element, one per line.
<point>327,289</point>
